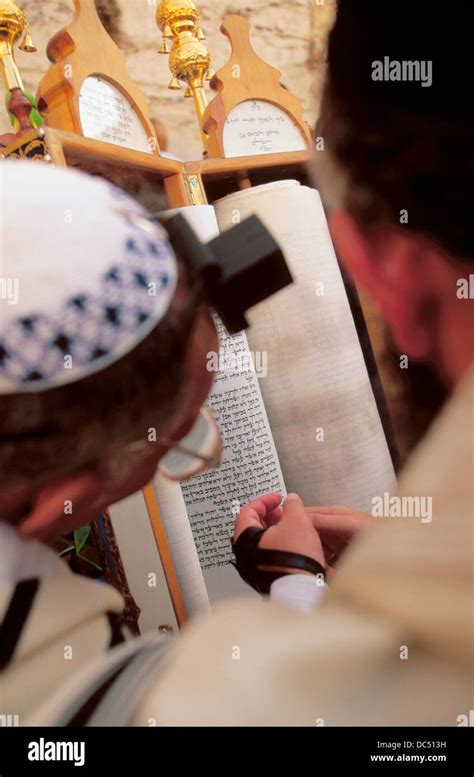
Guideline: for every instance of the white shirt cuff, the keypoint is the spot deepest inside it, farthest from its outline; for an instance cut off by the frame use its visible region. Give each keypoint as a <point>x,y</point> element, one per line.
<point>301,592</point>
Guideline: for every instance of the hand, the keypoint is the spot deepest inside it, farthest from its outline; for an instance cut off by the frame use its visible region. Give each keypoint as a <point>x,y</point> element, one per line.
<point>336,527</point>
<point>293,528</point>
<point>289,528</point>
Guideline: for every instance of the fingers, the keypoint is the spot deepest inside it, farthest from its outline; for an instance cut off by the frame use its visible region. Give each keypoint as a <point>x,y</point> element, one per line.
<point>295,532</point>
<point>294,510</point>
<point>261,513</point>
<point>339,520</point>
<point>274,517</point>
<point>333,510</point>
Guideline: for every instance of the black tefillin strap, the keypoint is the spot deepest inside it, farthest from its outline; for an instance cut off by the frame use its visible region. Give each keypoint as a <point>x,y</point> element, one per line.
<point>237,270</point>
<point>249,557</point>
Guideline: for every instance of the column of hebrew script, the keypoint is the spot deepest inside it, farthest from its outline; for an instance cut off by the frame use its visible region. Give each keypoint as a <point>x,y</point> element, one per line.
<point>250,464</point>
<point>317,391</point>
<point>249,467</point>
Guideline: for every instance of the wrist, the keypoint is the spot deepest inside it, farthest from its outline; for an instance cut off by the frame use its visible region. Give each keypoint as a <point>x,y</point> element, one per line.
<point>300,592</point>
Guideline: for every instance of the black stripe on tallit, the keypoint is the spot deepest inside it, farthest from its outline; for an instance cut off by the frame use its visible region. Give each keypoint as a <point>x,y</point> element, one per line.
<point>116,634</point>
<point>85,712</point>
<point>15,618</point>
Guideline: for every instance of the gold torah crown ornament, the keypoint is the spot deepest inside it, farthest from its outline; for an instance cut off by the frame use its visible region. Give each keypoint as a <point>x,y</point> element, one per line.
<point>13,24</point>
<point>190,61</point>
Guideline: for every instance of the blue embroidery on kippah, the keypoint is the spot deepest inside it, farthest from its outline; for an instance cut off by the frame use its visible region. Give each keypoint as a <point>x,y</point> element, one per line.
<point>3,354</point>
<point>79,302</point>
<point>154,248</point>
<point>142,280</point>
<point>29,323</point>
<point>89,326</point>
<point>63,342</point>
<point>33,377</point>
<point>98,353</point>
<point>113,275</point>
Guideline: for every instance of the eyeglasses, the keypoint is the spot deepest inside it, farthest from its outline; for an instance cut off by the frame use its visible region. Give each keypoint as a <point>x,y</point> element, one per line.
<point>198,452</point>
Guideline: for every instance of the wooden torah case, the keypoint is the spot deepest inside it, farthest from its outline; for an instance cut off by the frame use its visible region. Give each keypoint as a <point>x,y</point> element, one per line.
<point>88,90</point>
<point>252,113</point>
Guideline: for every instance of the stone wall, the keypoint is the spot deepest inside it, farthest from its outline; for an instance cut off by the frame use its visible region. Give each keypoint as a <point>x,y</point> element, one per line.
<point>290,35</point>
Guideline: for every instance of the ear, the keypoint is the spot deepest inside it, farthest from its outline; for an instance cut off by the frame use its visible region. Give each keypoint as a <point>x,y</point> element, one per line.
<point>63,506</point>
<point>394,267</point>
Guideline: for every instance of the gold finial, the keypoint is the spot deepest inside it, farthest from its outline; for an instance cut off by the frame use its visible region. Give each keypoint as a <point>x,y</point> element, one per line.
<point>13,24</point>
<point>190,61</point>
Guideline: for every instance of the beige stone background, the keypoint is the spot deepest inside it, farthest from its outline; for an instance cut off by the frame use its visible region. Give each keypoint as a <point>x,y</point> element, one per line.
<point>291,35</point>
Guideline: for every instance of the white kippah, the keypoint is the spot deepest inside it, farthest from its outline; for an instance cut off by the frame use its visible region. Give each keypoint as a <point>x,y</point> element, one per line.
<point>83,277</point>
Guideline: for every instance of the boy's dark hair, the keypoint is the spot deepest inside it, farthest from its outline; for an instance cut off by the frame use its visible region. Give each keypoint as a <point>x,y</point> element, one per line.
<point>403,146</point>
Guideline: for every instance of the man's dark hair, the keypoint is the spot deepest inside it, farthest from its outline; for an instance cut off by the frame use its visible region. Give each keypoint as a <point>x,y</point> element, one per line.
<point>60,431</point>
<point>404,146</point>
